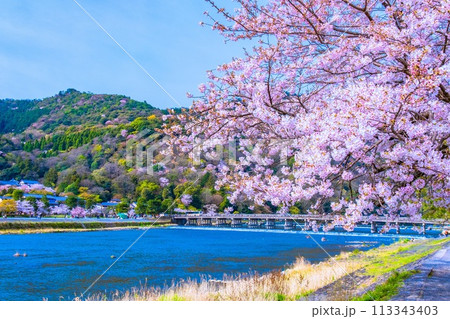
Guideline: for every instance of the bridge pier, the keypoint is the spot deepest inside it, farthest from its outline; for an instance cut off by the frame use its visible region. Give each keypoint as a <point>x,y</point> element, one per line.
<point>180,222</point>
<point>253,223</point>
<point>205,221</point>
<point>423,228</point>
<point>192,221</point>
<point>270,223</point>
<point>221,222</point>
<point>397,228</point>
<point>289,224</point>
<point>236,222</point>
<point>373,227</point>
<point>306,226</point>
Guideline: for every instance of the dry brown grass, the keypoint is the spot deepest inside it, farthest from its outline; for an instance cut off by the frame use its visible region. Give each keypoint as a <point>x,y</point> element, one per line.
<point>297,281</point>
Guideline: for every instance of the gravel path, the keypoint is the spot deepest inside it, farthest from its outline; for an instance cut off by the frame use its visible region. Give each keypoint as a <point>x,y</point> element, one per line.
<point>433,281</point>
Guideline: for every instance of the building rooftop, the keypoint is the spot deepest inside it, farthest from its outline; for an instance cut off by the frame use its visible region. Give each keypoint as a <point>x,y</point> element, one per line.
<point>29,182</point>
<point>108,204</point>
<point>10,182</point>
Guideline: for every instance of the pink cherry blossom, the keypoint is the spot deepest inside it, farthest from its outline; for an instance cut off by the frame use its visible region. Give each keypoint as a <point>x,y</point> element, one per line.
<point>59,210</point>
<point>25,208</point>
<point>186,199</point>
<point>359,91</point>
<point>163,181</point>
<point>210,209</point>
<point>78,212</point>
<point>95,211</point>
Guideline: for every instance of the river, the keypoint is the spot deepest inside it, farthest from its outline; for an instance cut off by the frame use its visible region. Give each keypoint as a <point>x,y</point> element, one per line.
<point>60,266</point>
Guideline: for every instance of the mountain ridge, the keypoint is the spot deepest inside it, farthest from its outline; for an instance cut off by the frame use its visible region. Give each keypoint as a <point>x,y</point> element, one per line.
<point>69,108</point>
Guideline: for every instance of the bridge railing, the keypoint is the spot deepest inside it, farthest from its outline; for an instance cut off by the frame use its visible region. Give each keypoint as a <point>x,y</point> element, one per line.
<point>309,217</point>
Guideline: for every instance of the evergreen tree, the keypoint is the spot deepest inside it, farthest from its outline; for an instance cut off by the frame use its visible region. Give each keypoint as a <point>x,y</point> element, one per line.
<point>45,201</point>
<point>51,177</point>
<point>71,201</point>
<point>17,194</point>
<point>123,206</point>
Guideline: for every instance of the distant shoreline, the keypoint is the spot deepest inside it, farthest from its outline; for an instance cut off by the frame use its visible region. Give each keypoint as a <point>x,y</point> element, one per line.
<point>17,227</point>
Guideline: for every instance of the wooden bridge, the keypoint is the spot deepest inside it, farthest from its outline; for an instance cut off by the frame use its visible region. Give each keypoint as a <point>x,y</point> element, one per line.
<point>291,222</point>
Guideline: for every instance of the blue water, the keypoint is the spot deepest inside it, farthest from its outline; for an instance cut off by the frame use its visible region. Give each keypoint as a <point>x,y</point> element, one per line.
<point>63,265</point>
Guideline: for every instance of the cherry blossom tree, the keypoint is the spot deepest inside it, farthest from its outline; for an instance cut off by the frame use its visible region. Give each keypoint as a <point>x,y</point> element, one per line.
<point>41,209</point>
<point>25,208</point>
<point>228,210</point>
<point>60,210</point>
<point>210,209</point>
<point>186,199</point>
<point>354,94</point>
<point>95,211</point>
<point>78,212</point>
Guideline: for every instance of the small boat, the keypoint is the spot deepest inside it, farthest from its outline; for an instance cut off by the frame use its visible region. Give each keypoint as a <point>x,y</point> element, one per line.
<point>307,236</point>
<point>323,239</point>
<point>25,255</point>
<point>16,255</point>
<point>112,256</point>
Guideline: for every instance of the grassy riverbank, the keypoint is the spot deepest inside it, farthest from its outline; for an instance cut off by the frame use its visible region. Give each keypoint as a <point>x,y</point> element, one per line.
<point>31,227</point>
<point>349,276</point>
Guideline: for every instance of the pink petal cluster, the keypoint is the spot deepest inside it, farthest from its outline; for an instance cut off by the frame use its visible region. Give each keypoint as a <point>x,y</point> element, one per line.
<point>186,199</point>
<point>163,181</point>
<point>60,210</point>
<point>25,208</point>
<point>357,92</point>
<point>78,212</point>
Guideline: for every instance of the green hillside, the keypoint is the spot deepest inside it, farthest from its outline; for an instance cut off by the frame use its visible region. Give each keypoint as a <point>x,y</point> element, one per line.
<point>17,115</point>
<point>76,143</point>
<point>69,108</point>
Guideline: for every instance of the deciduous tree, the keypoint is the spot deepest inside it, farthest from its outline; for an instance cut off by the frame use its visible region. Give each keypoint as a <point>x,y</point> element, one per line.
<point>8,206</point>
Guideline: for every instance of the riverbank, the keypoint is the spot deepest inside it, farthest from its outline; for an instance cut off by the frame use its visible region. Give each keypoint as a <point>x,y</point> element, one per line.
<point>32,227</point>
<point>349,276</point>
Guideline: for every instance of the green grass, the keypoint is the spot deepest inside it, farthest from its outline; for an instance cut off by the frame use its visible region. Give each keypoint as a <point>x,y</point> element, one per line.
<point>385,260</point>
<point>303,295</point>
<point>171,298</point>
<point>389,289</point>
<point>275,296</point>
<point>355,252</point>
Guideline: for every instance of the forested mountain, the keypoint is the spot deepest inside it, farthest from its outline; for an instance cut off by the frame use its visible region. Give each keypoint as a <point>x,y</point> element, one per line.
<point>77,143</point>
<point>69,108</point>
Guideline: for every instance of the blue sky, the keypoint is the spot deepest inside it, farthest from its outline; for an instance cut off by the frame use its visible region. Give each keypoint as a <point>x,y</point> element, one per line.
<point>50,45</point>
